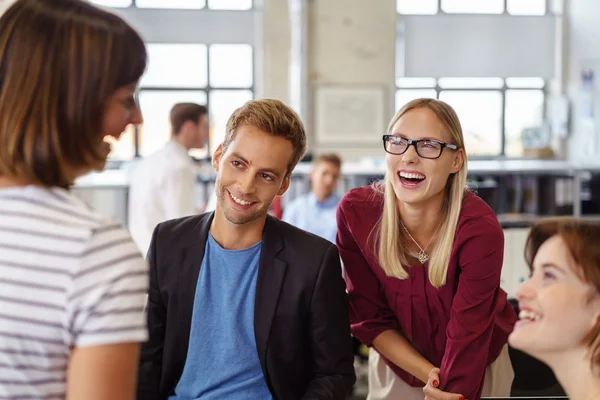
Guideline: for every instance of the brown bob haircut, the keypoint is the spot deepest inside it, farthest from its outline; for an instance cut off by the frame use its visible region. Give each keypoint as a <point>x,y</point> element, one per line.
<point>582,238</point>
<point>274,117</point>
<point>60,62</point>
<point>184,112</point>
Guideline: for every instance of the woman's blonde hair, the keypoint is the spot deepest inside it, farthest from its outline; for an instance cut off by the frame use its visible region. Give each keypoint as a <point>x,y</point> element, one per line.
<point>389,236</point>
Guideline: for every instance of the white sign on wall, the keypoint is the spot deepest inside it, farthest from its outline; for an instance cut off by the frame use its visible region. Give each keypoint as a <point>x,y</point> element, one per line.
<point>350,113</point>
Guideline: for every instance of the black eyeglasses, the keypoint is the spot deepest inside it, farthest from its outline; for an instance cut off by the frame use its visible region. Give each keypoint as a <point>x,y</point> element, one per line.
<point>426,148</point>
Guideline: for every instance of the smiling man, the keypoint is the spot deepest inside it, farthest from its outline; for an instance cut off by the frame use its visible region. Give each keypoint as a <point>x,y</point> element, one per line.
<point>241,305</point>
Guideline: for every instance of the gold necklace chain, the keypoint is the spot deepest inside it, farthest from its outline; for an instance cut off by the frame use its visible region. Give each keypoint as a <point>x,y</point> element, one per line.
<point>423,256</point>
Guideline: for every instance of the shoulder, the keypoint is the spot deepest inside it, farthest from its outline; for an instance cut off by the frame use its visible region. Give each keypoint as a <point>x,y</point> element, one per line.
<point>176,231</point>
<point>363,203</point>
<point>478,219</point>
<point>298,201</point>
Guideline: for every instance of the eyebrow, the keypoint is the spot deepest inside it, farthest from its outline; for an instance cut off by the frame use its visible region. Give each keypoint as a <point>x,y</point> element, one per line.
<point>270,171</point>
<point>554,266</point>
<point>422,138</point>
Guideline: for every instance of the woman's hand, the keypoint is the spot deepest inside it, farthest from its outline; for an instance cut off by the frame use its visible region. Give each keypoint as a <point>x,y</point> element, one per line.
<point>433,393</point>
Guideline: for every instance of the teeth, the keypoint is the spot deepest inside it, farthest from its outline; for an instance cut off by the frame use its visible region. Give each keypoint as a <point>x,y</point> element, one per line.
<point>530,315</point>
<point>411,175</point>
<point>240,201</point>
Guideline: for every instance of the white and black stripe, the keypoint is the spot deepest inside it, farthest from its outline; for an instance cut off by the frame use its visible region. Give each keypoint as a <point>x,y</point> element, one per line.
<point>68,277</point>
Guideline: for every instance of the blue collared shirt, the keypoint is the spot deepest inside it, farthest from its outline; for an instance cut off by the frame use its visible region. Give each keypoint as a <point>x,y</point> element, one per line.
<point>307,213</point>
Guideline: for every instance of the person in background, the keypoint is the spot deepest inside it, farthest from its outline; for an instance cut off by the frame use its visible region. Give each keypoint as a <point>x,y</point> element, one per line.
<point>72,283</point>
<point>559,306</point>
<point>242,305</point>
<point>163,185</point>
<point>314,212</point>
<point>422,257</point>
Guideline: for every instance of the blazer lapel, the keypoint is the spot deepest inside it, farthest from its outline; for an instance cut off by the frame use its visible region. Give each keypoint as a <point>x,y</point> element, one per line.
<point>271,272</point>
<point>192,256</point>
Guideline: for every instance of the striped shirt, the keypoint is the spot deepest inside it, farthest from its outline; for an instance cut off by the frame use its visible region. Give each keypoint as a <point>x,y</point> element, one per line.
<point>68,278</point>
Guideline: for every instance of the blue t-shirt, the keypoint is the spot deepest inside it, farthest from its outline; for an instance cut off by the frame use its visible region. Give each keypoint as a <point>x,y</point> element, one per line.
<point>222,360</point>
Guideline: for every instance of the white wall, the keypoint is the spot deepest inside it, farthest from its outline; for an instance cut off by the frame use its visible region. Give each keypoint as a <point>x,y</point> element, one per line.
<point>351,45</point>
<point>583,51</point>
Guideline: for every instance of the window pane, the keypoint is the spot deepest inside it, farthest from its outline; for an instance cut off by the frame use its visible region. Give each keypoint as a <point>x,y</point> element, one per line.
<point>112,3</point>
<point>525,83</point>
<point>222,104</point>
<point>230,4</point>
<point>471,83</point>
<point>124,149</point>
<point>473,6</point>
<point>231,65</point>
<point>188,4</point>
<point>480,115</point>
<point>403,96</point>
<point>155,106</point>
<point>417,6</point>
<point>524,109</point>
<point>526,7</point>
<point>175,65</point>
<point>415,82</point>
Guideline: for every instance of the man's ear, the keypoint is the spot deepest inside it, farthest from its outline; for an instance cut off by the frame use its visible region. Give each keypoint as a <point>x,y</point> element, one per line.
<point>284,185</point>
<point>216,159</point>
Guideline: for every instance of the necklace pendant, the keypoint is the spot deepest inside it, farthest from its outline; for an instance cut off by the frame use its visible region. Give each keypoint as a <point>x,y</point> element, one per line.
<point>423,257</point>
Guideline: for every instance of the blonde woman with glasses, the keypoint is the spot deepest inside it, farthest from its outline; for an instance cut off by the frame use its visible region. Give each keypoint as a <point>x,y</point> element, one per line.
<point>422,258</point>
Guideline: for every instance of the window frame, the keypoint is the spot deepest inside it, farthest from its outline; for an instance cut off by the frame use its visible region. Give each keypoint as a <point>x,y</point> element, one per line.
<point>548,10</point>
<point>502,90</point>
<point>207,89</point>
<point>206,7</point>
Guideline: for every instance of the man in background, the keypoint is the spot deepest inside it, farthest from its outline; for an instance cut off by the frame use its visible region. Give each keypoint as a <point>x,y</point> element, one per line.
<point>162,186</point>
<point>315,211</point>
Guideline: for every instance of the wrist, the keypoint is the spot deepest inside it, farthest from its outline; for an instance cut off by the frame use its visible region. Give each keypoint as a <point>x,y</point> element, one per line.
<point>425,370</point>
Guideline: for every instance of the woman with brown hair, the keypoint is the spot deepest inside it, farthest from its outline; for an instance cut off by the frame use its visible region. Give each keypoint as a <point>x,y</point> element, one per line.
<point>560,304</point>
<point>72,283</point>
<point>422,257</point>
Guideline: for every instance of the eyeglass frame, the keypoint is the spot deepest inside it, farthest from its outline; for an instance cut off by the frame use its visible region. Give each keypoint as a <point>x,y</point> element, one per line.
<point>412,142</point>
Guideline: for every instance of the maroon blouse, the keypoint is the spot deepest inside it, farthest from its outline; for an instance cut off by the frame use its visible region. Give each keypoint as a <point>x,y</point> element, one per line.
<point>461,327</point>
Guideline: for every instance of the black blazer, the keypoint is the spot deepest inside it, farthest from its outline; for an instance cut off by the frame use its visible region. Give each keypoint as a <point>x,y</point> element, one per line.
<point>301,318</point>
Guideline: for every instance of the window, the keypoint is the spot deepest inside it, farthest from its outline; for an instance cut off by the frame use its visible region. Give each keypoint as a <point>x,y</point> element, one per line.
<point>471,83</point>
<point>181,4</point>
<point>155,106</point>
<point>403,96</point>
<point>183,69</point>
<point>416,82</point>
<point>176,66</point>
<point>524,109</point>
<point>231,65</point>
<point>220,76</point>
<point>112,3</point>
<point>493,111</point>
<point>230,4</point>
<point>526,7</point>
<point>513,7</point>
<point>222,104</point>
<point>417,6</point>
<point>124,148</point>
<point>184,4</point>
<point>473,6</point>
<point>480,114</point>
